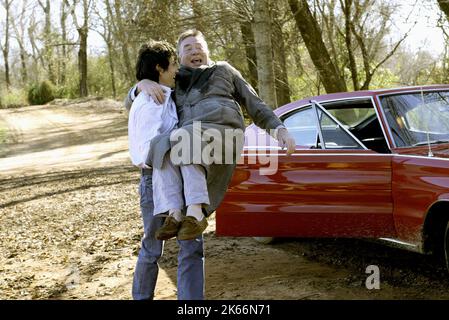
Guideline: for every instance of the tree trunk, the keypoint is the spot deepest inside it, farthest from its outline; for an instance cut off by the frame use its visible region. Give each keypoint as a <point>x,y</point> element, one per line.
<point>82,61</point>
<point>310,31</point>
<point>197,14</point>
<point>331,30</point>
<point>37,56</point>
<point>5,47</point>
<point>23,63</point>
<point>280,66</point>
<point>371,40</point>
<point>122,37</point>
<point>19,30</point>
<point>7,78</point>
<point>262,38</point>
<point>348,41</point>
<point>63,18</point>
<point>250,50</point>
<point>83,31</point>
<point>111,68</point>
<point>444,6</point>
<point>48,50</point>
<point>107,37</point>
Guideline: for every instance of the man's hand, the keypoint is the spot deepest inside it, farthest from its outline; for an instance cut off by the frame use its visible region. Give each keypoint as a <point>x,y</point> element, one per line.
<point>152,89</point>
<point>286,140</point>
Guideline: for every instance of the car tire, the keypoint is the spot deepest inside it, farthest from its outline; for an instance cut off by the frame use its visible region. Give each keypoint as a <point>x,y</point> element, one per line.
<point>264,240</point>
<point>446,246</point>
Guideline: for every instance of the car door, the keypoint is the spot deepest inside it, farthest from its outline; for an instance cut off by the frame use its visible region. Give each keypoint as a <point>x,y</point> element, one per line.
<point>333,189</point>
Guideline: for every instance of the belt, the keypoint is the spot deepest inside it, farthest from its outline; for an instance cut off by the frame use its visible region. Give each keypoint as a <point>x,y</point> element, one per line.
<point>146,172</point>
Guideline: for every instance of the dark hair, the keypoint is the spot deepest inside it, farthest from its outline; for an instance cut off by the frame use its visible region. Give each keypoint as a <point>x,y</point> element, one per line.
<point>152,54</point>
<point>189,33</point>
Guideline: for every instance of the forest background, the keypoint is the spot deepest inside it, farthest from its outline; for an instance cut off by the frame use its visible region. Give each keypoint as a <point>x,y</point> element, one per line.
<point>288,49</point>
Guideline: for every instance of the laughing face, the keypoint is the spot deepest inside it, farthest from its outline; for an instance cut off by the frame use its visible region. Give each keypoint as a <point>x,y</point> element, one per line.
<point>167,77</point>
<point>194,52</point>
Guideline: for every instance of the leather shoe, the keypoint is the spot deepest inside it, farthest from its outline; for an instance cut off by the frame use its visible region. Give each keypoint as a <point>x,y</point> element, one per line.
<point>169,229</point>
<point>191,228</point>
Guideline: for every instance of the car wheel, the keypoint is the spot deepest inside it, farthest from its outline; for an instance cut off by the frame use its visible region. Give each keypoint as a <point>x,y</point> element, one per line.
<point>446,246</point>
<point>264,240</point>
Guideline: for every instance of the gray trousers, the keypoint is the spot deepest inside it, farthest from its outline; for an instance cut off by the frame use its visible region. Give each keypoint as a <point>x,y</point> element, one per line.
<point>177,186</point>
<point>190,276</point>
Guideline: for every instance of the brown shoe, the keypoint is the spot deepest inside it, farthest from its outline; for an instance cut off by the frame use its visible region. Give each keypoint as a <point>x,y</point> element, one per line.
<point>169,229</point>
<point>191,228</point>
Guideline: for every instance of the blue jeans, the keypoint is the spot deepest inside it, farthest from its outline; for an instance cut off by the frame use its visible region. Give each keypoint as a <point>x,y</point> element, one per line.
<point>190,280</point>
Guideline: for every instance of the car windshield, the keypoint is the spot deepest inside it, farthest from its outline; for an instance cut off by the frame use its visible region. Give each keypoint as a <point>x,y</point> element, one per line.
<point>416,118</point>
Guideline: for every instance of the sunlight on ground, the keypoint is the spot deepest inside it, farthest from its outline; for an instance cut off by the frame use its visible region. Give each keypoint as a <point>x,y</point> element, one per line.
<point>49,138</point>
<point>90,155</point>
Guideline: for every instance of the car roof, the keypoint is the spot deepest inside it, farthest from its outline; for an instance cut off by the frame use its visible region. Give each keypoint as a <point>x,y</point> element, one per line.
<point>356,94</point>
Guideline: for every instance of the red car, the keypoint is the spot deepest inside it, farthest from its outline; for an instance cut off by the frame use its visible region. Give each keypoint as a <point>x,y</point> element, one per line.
<point>368,164</point>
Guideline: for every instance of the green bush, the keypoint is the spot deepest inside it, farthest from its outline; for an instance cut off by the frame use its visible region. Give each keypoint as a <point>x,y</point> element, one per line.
<point>41,93</point>
<point>13,99</point>
<point>65,92</point>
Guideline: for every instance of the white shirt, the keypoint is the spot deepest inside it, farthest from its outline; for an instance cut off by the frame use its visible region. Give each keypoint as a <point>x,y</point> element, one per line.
<point>147,120</point>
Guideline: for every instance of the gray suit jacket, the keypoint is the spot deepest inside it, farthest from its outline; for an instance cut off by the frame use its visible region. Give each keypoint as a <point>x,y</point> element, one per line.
<point>210,98</point>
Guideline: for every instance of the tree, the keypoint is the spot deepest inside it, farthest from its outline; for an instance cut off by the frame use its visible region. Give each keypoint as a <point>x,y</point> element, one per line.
<point>63,15</point>
<point>5,45</point>
<point>36,51</point>
<point>262,39</point>
<point>370,39</point>
<point>349,29</point>
<point>197,8</point>
<point>83,31</point>
<point>332,44</point>
<point>311,33</point>
<point>444,6</point>
<point>107,34</point>
<point>122,36</point>
<point>442,23</point>
<point>280,55</point>
<point>244,10</point>
<point>355,32</point>
<point>250,51</point>
<point>47,35</point>
<point>19,33</point>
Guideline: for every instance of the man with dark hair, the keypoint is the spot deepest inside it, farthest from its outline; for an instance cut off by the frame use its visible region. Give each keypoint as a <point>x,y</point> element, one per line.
<point>151,55</point>
<point>161,189</point>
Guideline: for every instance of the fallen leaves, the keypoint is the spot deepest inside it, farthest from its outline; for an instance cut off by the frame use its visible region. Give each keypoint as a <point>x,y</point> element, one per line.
<point>77,225</point>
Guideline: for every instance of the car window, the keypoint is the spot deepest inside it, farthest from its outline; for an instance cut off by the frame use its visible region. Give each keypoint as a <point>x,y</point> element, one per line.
<point>360,118</point>
<point>352,117</point>
<point>431,117</point>
<point>417,118</point>
<point>334,135</point>
<point>302,125</point>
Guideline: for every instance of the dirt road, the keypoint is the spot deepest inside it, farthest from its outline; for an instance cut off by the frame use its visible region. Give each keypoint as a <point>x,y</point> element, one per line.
<point>70,226</point>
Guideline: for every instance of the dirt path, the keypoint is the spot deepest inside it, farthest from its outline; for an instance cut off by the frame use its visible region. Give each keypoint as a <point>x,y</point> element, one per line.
<point>70,227</point>
<point>58,137</point>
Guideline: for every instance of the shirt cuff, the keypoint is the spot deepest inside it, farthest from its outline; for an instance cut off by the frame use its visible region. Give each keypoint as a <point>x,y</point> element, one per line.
<point>274,133</point>
<point>133,93</point>
<point>143,166</point>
